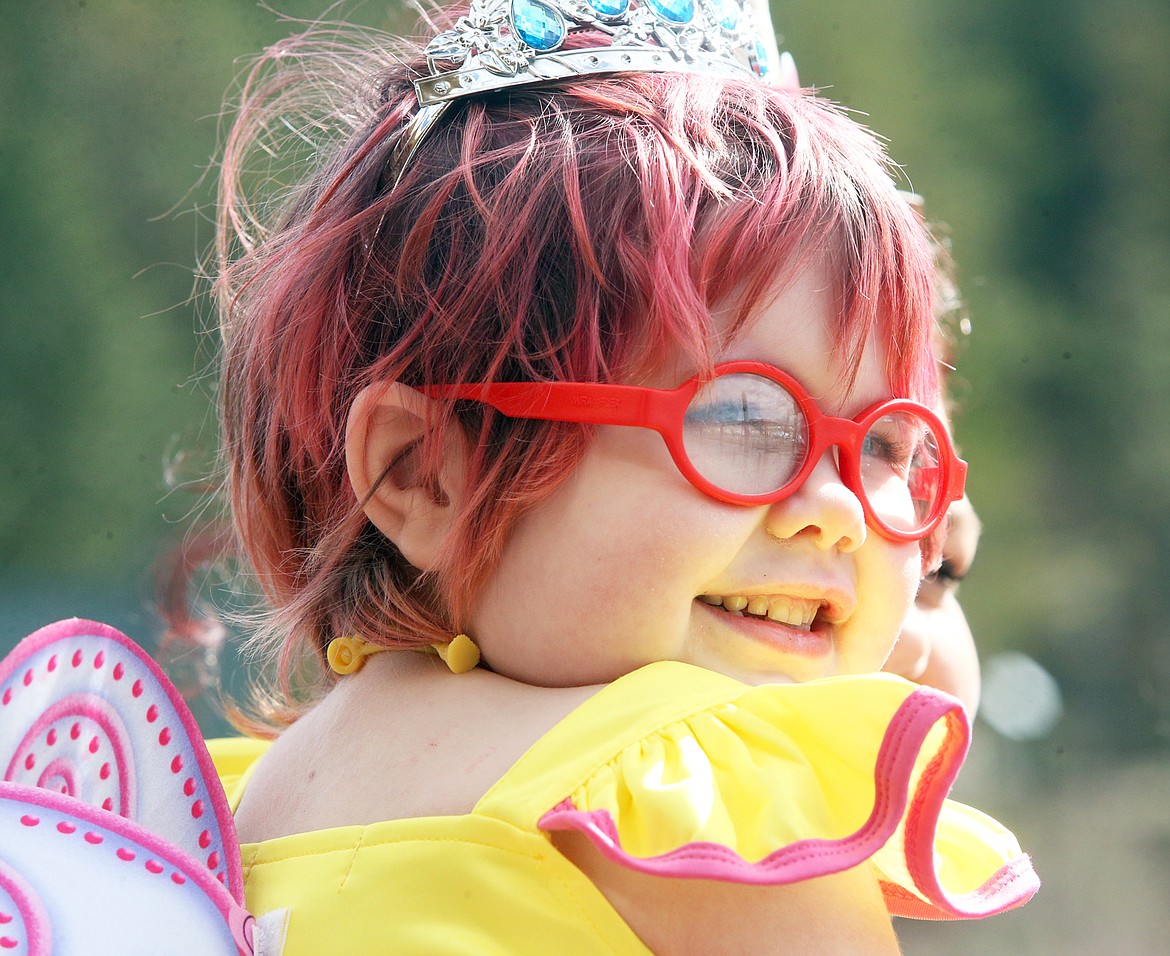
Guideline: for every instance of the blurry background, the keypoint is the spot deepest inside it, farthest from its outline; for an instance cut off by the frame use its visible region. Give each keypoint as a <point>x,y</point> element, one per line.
<point>1039,133</point>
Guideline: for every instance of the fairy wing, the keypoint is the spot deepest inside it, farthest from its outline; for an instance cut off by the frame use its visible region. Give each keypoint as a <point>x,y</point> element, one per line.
<point>75,880</point>
<point>84,712</point>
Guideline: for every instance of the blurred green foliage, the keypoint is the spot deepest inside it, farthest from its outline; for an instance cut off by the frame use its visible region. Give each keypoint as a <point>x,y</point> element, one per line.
<point>1039,133</point>
<point>109,121</point>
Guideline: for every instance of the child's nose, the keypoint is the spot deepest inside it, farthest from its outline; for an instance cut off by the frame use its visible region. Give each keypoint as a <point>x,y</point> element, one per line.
<point>822,509</point>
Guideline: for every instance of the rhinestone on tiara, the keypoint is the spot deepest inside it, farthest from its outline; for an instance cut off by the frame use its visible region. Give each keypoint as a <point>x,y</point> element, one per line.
<point>504,43</point>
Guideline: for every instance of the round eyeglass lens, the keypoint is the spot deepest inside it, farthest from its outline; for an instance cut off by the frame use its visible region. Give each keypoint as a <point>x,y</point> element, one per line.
<point>745,434</point>
<point>901,469</point>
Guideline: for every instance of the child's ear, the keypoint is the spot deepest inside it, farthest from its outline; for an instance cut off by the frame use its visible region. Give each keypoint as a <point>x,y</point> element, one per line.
<point>383,455</point>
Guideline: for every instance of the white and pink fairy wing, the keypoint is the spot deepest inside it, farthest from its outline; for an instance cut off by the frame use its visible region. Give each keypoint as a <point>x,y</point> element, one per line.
<point>75,880</point>
<point>85,713</point>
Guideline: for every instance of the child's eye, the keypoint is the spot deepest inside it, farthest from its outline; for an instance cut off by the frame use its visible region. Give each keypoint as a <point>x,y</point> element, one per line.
<point>745,424</point>
<point>724,412</point>
<point>895,448</point>
<point>938,584</point>
<point>745,433</point>
<point>948,572</point>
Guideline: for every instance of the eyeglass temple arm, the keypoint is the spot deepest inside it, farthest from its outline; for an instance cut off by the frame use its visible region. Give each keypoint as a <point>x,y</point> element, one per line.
<point>958,479</point>
<point>922,487</point>
<point>586,402</point>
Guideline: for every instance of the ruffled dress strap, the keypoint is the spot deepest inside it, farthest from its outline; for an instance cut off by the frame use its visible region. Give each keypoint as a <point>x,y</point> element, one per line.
<point>676,771</point>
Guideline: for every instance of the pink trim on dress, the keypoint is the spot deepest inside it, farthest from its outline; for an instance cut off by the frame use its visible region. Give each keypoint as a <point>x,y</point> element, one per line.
<point>905,736</point>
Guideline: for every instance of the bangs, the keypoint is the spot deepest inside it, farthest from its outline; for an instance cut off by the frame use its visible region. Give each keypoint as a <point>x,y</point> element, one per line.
<point>826,191</point>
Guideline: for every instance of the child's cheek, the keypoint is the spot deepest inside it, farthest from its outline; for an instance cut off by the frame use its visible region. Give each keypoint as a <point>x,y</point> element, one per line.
<point>908,579</point>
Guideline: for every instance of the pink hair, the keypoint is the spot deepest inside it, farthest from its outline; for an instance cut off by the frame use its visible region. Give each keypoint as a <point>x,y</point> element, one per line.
<point>572,234</point>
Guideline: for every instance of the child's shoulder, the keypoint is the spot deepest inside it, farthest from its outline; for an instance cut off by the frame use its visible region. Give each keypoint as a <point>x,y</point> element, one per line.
<point>415,743</point>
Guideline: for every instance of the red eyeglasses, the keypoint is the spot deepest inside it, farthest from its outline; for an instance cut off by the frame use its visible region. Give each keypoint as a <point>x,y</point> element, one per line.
<point>751,435</point>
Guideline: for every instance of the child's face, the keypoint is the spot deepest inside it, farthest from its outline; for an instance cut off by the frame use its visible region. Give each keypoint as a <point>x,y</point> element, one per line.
<point>611,571</point>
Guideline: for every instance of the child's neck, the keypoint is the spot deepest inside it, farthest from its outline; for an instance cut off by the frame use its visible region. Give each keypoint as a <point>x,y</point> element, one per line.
<point>402,737</point>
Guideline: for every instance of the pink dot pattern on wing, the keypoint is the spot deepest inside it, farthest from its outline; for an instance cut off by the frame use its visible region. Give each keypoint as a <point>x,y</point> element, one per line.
<point>58,751</point>
<point>24,922</point>
<point>68,828</point>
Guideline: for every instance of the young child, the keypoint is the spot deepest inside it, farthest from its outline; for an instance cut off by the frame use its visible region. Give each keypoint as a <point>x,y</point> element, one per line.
<point>630,702</point>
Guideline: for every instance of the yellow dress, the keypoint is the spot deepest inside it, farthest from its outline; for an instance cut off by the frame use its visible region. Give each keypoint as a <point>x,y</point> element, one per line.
<point>671,770</point>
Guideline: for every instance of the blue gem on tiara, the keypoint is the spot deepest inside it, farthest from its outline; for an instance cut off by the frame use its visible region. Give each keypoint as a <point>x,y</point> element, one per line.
<point>503,44</point>
<point>728,11</point>
<point>761,59</point>
<point>506,43</point>
<point>673,12</point>
<point>538,25</point>
<point>610,8</point>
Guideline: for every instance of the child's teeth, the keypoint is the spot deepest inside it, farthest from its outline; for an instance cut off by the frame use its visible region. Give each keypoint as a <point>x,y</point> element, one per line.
<point>757,606</point>
<point>794,613</point>
<point>782,612</point>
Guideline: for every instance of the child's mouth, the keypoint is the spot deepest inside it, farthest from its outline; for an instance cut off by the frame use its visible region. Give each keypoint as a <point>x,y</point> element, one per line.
<point>794,612</point>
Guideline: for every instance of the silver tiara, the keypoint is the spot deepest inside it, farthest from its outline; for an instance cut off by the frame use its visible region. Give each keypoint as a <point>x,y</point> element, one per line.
<point>503,43</point>
<point>507,43</point>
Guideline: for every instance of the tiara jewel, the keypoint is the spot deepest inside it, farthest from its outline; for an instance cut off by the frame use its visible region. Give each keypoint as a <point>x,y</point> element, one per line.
<point>504,43</point>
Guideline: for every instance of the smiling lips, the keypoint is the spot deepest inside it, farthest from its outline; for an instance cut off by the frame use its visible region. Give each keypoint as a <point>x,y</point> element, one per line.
<point>795,612</point>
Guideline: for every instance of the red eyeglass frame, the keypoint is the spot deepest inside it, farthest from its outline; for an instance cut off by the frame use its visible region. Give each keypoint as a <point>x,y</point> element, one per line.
<point>664,410</point>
